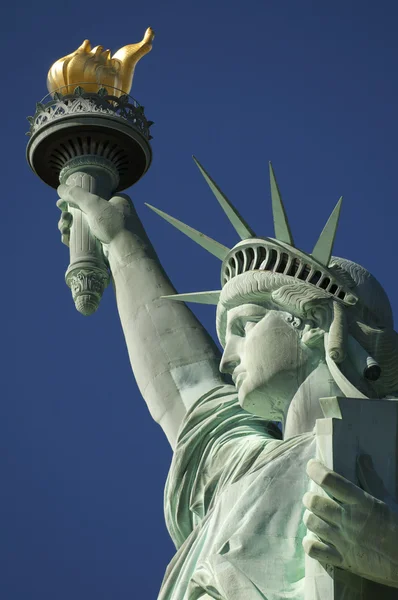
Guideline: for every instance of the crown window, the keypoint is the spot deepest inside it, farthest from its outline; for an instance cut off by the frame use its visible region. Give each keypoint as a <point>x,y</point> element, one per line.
<point>294,267</point>
<point>232,264</point>
<point>324,283</point>
<point>273,256</point>
<point>261,257</point>
<point>239,259</point>
<point>282,264</point>
<point>249,254</point>
<point>304,272</point>
<point>316,277</point>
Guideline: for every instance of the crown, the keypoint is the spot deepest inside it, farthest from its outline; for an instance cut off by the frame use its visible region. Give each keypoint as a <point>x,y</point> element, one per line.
<point>276,255</point>
<point>97,67</point>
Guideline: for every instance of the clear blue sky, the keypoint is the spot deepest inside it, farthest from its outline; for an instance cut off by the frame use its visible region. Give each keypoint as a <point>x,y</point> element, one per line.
<point>310,85</point>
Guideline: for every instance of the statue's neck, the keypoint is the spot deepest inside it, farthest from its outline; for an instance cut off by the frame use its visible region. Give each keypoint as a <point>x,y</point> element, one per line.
<point>305,408</point>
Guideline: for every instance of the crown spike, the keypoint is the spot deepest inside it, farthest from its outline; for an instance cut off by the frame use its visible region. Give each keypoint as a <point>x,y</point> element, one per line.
<point>197,297</point>
<point>241,227</point>
<point>281,224</point>
<point>323,248</point>
<point>203,240</point>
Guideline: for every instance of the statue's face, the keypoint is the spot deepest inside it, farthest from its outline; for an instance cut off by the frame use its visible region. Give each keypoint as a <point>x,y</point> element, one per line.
<point>266,358</point>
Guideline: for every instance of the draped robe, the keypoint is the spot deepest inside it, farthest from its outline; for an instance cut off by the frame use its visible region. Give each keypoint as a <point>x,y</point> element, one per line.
<point>233,505</point>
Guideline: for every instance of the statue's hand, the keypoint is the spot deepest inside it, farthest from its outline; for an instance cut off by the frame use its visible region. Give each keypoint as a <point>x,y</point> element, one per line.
<point>355,531</point>
<point>106,219</point>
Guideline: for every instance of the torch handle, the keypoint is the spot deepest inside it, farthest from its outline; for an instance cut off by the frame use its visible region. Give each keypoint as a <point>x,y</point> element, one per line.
<point>87,274</point>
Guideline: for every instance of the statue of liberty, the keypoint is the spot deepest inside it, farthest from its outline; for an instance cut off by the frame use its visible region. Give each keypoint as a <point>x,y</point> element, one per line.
<point>294,328</point>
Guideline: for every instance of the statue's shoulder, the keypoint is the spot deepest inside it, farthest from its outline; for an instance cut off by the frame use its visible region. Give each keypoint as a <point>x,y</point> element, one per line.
<point>213,402</point>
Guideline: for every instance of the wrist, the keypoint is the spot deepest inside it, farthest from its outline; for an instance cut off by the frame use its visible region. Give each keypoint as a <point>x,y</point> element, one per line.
<point>124,248</point>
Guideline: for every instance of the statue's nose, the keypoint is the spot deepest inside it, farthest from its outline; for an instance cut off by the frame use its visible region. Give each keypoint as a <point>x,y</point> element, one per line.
<point>230,358</point>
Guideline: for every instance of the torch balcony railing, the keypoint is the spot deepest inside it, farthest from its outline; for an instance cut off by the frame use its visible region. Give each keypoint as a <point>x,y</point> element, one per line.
<point>106,102</point>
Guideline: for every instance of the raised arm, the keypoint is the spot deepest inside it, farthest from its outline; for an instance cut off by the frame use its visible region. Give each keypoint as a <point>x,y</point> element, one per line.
<point>173,358</point>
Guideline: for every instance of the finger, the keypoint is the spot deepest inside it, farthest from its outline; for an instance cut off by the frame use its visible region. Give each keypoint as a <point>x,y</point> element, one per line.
<point>333,483</point>
<point>64,229</point>
<point>79,197</point>
<point>325,531</point>
<point>325,553</point>
<point>325,508</point>
<point>62,205</point>
<point>65,222</point>
<point>122,202</point>
<point>65,238</point>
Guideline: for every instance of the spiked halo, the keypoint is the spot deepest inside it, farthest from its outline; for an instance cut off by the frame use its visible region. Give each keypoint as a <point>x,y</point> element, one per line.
<point>277,255</point>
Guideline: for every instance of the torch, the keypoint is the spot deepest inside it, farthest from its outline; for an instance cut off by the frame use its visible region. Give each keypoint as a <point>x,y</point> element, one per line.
<point>89,132</point>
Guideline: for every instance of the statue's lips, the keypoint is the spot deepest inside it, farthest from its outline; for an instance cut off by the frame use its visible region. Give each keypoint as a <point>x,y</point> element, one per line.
<point>238,378</point>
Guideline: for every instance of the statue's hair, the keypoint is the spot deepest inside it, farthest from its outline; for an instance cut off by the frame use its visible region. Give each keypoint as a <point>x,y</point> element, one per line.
<point>382,345</point>
<point>370,322</point>
<point>374,304</point>
<point>258,287</point>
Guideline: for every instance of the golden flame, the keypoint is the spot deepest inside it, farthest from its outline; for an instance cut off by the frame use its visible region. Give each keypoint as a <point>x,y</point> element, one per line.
<point>97,68</point>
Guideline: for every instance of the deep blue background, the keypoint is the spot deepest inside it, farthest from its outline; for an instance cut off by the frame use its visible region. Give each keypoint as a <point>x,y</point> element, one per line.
<point>310,85</point>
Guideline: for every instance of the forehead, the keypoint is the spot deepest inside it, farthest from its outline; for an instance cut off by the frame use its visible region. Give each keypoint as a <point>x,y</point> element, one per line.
<point>246,310</point>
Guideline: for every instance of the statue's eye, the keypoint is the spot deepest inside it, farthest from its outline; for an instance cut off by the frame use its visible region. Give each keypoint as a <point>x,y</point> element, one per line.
<point>248,326</point>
